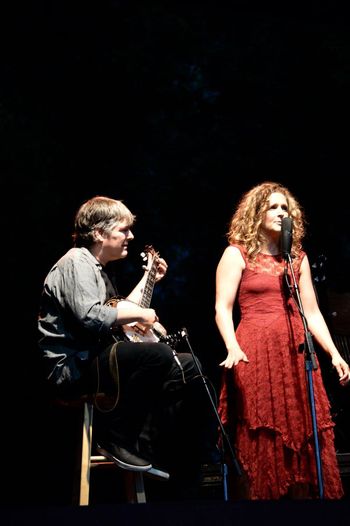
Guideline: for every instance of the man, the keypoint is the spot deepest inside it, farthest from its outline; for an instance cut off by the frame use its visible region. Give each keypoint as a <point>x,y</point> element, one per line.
<point>91,344</point>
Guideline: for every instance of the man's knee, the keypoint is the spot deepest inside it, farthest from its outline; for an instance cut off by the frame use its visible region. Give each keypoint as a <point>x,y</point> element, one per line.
<point>160,354</point>
<point>190,366</point>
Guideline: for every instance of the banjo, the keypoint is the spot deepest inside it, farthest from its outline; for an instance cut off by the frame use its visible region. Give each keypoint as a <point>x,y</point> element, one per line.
<point>136,331</point>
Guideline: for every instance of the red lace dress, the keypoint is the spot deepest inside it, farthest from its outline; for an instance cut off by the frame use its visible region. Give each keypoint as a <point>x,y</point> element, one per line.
<point>265,401</point>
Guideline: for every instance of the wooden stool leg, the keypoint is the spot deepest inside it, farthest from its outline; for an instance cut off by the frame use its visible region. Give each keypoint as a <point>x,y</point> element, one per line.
<point>139,487</point>
<point>134,487</point>
<point>82,490</point>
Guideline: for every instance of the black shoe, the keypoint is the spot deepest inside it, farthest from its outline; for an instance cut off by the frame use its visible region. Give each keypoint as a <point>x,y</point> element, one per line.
<point>123,458</point>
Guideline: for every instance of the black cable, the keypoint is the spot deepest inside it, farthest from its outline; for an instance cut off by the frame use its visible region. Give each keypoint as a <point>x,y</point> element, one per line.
<point>226,440</point>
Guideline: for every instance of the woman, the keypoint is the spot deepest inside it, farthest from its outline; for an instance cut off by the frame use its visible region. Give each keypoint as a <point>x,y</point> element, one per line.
<point>264,393</point>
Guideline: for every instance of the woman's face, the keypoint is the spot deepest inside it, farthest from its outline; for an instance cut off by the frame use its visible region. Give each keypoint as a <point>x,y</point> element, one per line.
<point>277,210</point>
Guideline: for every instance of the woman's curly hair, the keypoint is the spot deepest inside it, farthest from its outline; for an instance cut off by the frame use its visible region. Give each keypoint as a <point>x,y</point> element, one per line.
<point>245,224</point>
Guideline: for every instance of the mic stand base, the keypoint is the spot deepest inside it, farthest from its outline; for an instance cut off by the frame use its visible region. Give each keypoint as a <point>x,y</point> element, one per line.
<point>225,438</point>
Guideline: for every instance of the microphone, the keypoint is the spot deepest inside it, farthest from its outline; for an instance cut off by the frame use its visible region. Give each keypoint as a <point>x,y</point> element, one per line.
<point>286,236</point>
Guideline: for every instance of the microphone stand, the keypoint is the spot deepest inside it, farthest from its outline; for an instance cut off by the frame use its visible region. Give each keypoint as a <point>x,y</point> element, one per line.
<point>184,334</point>
<point>310,365</point>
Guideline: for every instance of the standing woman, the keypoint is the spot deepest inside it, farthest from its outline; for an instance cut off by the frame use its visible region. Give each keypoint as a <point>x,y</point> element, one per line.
<point>264,394</point>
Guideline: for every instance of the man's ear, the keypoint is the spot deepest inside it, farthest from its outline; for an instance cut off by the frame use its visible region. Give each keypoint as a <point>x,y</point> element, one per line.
<point>98,235</point>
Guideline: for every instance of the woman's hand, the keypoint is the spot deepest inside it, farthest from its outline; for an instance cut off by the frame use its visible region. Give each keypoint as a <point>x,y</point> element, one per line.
<point>342,368</point>
<point>234,357</point>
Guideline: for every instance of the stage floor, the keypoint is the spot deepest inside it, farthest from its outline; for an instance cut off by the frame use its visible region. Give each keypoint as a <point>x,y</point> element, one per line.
<point>243,513</point>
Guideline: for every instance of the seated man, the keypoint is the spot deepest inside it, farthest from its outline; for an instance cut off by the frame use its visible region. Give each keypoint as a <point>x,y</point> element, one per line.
<point>91,343</point>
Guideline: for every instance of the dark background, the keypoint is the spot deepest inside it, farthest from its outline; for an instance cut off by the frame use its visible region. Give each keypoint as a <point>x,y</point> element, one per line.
<point>176,108</point>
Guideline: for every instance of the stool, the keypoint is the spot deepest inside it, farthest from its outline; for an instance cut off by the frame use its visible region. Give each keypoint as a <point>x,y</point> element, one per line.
<point>134,483</point>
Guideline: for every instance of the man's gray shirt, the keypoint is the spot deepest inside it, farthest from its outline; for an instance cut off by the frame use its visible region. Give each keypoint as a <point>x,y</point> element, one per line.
<point>73,318</point>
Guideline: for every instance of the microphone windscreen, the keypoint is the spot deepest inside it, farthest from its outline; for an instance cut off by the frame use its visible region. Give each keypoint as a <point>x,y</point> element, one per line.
<point>286,236</point>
